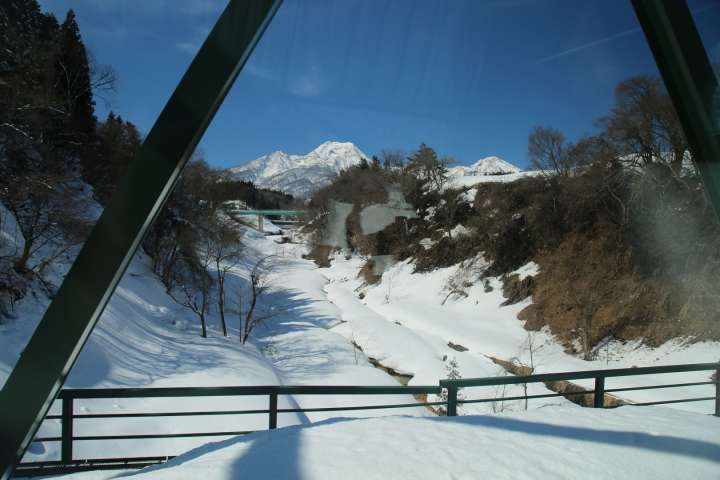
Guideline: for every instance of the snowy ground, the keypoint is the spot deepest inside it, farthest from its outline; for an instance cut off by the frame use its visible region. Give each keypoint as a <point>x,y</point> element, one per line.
<point>403,323</point>
<point>145,339</point>
<point>459,181</point>
<point>630,442</point>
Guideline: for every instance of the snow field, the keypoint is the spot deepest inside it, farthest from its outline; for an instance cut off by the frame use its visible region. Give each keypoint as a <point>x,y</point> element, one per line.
<point>643,443</point>
<point>144,339</point>
<point>402,323</point>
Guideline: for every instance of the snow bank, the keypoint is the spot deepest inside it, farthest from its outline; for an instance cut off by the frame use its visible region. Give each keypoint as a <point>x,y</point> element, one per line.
<point>642,443</point>
<point>403,322</point>
<point>465,180</point>
<point>144,339</point>
<point>530,269</point>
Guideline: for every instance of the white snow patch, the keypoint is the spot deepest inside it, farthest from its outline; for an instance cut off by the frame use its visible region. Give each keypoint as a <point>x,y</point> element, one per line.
<point>459,231</point>
<point>426,243</point>
<point>480,324</point>
<point>530,269</point>
<point>645,443</point>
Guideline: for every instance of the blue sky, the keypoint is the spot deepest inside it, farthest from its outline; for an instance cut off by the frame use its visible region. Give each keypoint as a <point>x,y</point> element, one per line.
<point>470,78</point>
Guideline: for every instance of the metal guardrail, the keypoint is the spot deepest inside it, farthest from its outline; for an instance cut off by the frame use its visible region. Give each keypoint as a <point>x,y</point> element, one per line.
<point>598,392</point>
<point>68,463</point>
<point>269,213</point>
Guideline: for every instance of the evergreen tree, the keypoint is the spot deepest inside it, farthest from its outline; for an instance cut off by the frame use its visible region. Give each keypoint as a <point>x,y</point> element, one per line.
<point>425,165</point>
<point>73,79</point>
<point>119,143</point>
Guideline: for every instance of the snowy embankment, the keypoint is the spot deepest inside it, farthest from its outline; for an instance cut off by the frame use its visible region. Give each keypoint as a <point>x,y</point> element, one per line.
<point>642,443</point>
<point>403,323</point>
<point>145,339</point>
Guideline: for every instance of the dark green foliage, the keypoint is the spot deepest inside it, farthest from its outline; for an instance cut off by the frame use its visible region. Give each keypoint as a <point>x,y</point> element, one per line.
<point>49,138</point>
<point>357,185</point>
<point>247,192</point>
<point>73,83</point>
<point>119,142</point>
<point>430,170</point>
<point>46,99</point>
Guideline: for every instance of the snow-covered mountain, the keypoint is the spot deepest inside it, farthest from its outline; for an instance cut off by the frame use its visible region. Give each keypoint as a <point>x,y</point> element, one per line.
<point>300,175</point>
<point>486,166</point>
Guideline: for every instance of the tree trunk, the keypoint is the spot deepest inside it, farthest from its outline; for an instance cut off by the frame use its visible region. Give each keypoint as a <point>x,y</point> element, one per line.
<point>204,326</point>
<point>221,307</point>
<point>21,263</point>
<point>248,318</point>
<point>221,299</point>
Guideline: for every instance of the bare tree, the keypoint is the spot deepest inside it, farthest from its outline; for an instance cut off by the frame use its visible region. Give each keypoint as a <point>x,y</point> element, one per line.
<point>261,283</point>
<point>103,79</point>
<point>498,404</point>
<point>548,151</point>
<point>49,216</point>
<point>225,251</point>
<point>392,159</point>
<point>195,297</point>
<point>644,126</point>
<point>531,347</point>
<point>193,289</point>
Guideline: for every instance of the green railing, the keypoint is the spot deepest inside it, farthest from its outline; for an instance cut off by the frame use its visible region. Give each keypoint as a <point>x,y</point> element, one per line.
<point>598,392</point>
<point>67,397</point>
<point>268,213</point>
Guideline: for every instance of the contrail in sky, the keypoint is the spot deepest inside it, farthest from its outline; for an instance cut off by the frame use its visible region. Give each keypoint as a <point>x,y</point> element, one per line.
<point>610,38</point>
<point>589,45</point>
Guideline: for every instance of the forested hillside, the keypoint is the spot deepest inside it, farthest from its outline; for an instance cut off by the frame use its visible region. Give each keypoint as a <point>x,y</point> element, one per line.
<point>618,223</point>
<point>59,163</point>
<point>52,146</point>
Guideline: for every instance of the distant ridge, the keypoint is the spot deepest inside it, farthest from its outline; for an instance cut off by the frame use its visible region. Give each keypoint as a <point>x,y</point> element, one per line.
<point>486,166</point>
<point>300,175</point>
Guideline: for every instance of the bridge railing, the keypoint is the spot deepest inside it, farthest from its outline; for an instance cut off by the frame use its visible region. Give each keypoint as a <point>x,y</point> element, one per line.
<point>448,389</point>
<point>598,393</point>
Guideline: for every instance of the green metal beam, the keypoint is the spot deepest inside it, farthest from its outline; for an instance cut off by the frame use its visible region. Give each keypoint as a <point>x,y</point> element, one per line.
<point>269,213</point>
<point>51,352</point>
<point>690,80</point>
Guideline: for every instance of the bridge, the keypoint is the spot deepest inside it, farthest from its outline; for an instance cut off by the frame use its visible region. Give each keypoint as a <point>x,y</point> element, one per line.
<point>268,213</point>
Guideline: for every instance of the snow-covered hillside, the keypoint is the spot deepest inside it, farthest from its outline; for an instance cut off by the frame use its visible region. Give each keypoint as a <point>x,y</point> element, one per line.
<point>408,322</point>
<point>402,323</point>
<point>145,339</point>
<point>485,166</point>
<point>300,175</point>
<point>486,170</point>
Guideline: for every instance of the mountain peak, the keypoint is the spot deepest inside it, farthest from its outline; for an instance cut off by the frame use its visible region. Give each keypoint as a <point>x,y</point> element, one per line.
<point>300,175</point>
<point>487,166</point>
